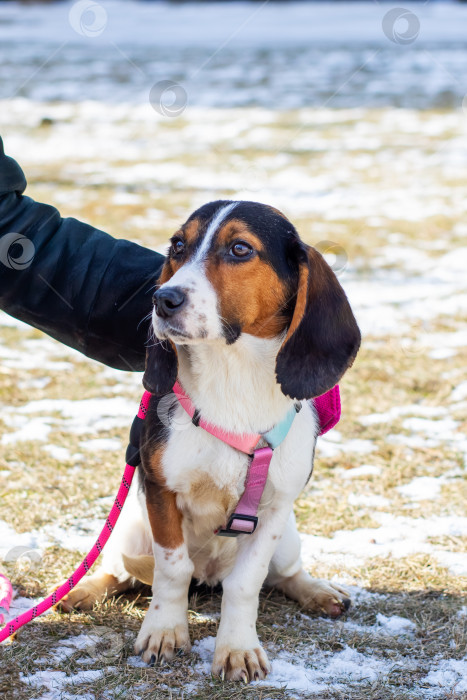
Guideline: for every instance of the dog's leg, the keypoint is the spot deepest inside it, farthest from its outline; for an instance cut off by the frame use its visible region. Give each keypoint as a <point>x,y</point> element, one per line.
<point>239,655</point>
<point>165,627</point>
<point>287,574</point>
<point>129,536</point>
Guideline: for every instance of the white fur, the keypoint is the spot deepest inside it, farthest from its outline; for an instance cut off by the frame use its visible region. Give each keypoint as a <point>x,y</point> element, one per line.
<point>212,229</point>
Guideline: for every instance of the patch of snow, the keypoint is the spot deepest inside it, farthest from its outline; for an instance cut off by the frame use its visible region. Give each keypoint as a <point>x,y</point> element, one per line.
<point>12,541</point>
<point>78,536</point>
<point>11,322</point>
<point>369,501</point>
<point>395,624</point>
<point>445,341</point>
<point>440,428</point>
<point>362,470</point>
<point>397,537</point>
<point>459,393</point>
<point>101,445</point>
<point>412,441</point>
<point>61,454</point>
<point>88,416</point>
<point>456,562</point>
<point>329,448</point>
<point>56,681</point>
<point>319,670</point>
<point>449,674</point>
<point>397,411</point>
<point>309,674</point>
<point>33,429</point>
<point>422,488</point>
<point>442,353</point>
<point>38,383</point>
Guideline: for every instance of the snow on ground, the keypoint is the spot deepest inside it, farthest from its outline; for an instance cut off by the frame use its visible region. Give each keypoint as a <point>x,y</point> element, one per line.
<point>451,673</point>
<point>396,536</point>
<point>88,416</point>
<point>311,672</point>
<point>56,682</point>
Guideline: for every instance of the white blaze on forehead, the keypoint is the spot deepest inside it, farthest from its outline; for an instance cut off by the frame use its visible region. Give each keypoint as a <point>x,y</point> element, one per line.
<point>200,314</point>
<point>219,217</point>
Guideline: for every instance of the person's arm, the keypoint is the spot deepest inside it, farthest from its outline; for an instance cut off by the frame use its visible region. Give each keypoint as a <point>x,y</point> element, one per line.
<point>72,281</point>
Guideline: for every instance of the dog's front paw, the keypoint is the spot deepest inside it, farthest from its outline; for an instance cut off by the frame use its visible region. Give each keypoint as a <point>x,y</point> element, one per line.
<point>315,594</point>
<point>326,597</point>
<point>157,643</point>
<point>240,664</point>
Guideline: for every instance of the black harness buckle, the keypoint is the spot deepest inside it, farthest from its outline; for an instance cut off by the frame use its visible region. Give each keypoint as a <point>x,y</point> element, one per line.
<point>228,532</point>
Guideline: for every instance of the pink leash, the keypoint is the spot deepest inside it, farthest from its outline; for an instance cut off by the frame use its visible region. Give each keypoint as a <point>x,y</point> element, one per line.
<point>6,595</point>
<point>328,408</point>
<point>11,627</point>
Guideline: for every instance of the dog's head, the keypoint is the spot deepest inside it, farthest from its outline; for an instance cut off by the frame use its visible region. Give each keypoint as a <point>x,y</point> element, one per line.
<point>240,267</point>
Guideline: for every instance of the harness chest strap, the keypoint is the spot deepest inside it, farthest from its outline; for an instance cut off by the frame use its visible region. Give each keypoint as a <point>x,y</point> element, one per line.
<point>245,519</point>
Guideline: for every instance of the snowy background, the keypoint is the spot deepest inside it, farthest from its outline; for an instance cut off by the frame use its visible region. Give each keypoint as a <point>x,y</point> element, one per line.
<point>355,126</point>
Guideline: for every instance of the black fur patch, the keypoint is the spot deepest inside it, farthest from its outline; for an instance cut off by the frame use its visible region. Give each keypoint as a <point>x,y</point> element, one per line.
<point>154,434</point>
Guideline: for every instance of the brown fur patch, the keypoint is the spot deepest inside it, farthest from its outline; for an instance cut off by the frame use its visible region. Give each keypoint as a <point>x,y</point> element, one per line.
<point>190,231</point>
<point>250,294</point>
<point>93,589</point>
<point>235,229</point>
<point>206,503</point>
<point>141,568</point>
<point>168,270</point>
<point>301,301</point>
<point>278,212</point>
<point>164,516</point>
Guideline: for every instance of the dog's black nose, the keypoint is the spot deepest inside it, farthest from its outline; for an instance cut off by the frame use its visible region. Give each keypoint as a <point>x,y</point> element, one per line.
<point>168,301</point>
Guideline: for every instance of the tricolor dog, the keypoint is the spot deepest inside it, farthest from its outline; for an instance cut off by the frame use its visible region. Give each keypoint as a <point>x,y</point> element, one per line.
<point>249,323</point>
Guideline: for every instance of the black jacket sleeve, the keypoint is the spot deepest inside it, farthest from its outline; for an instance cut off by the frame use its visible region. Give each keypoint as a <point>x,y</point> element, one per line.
<point>72,281</point>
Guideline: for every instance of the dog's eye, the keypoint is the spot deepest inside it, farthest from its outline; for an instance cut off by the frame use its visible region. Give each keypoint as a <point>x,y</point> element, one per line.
<point>241,250</point>
<point>178,246</point>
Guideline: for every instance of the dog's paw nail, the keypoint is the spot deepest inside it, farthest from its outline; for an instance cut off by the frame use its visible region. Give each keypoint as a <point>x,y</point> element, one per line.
<point>152,660</point>
<point>223,674</point>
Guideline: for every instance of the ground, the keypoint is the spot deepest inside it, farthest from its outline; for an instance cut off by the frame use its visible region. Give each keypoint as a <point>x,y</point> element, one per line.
<point>356,129</point>
<point>385,510</point>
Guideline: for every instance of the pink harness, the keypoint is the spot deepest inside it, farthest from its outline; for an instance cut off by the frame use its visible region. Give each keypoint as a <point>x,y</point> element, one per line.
<point>245,517</point>
<point>243,521</point>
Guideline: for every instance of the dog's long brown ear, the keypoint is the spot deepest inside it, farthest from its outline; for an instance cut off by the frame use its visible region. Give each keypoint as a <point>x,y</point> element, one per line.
<point>323,337</point>
<point>161,365</point>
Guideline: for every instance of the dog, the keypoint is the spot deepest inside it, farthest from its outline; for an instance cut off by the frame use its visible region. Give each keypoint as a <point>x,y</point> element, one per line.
<point>252,323</point>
